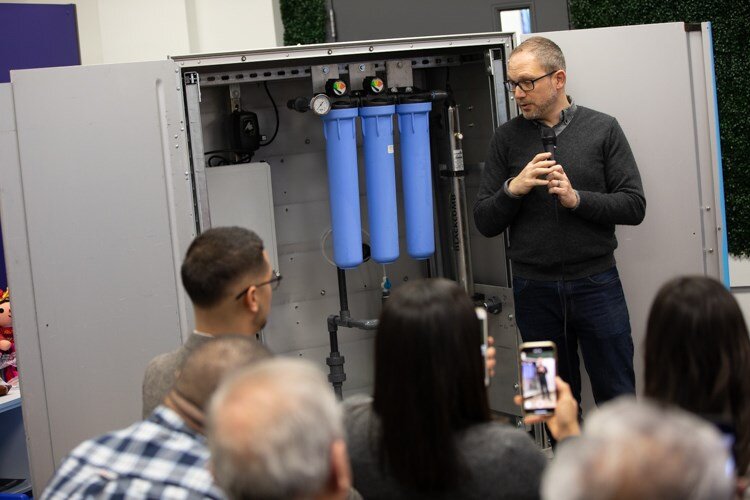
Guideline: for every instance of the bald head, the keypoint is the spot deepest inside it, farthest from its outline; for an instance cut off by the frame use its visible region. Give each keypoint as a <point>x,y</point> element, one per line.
<point>204,369</point>
<point>275,431</point>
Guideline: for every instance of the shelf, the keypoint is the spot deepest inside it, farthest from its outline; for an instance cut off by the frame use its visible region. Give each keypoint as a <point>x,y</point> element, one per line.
<point>11,400</point>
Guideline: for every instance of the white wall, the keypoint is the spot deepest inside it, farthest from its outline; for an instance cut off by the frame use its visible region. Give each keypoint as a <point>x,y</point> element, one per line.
<point>116,31</point>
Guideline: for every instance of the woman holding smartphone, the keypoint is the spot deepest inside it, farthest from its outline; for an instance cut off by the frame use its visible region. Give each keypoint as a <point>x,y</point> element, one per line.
<point>427,430</point>
<point>697,356</point>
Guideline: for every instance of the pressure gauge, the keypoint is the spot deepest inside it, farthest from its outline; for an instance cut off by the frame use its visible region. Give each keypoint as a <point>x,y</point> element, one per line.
<point>320,104</point>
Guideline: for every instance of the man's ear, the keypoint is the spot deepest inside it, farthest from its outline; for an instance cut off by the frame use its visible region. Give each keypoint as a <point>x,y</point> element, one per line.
<point>340,481</point>
<point>251,299</point>
<point>560,78</point>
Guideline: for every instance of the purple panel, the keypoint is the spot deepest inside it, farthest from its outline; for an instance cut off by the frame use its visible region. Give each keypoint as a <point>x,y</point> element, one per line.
<point>3,274</point>
<point>37,36</point>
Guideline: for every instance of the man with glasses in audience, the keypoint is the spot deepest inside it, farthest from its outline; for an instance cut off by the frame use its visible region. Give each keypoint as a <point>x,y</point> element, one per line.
<point>229,279</point>
<point>562,213</point>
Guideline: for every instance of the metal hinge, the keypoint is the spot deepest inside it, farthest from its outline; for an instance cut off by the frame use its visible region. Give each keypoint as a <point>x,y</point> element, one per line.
<point>193,78</point>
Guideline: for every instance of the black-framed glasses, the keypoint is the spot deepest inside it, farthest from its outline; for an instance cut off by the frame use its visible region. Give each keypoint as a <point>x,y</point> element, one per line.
<point>274,282</point>
<point>526,85</point>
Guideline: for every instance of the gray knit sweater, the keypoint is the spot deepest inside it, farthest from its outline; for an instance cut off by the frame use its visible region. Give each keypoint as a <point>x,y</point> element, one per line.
<point>547,242</point>
<point>503,461</point>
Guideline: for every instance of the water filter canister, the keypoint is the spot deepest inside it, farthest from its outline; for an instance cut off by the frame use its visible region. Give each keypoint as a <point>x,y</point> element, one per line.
<point>416,171</point>
<point>340,131</point>
<point>380,174</point>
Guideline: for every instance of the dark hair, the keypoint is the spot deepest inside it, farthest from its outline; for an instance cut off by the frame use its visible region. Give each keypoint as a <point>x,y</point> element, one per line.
<point>429,382</point>
<point>698,355</point>
<point>216,259</point>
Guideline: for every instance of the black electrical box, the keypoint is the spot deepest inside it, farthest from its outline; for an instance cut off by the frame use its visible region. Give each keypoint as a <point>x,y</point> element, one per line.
<point>245,132</point>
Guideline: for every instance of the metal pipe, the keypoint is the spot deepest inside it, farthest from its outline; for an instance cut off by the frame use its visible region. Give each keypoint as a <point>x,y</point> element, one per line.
<point>458,211</point>
<point>343,300</point>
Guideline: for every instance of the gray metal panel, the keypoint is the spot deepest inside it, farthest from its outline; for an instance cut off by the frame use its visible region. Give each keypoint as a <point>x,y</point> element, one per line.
<point>709,151</point>
<point>358,20</point>
<point>240,195</point>
<point>103,161</point>
<point>502,327</point>
<point>15,243</point>
<point>642,76</point>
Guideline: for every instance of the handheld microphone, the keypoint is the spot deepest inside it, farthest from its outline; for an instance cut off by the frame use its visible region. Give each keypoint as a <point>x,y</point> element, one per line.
<point>549,141</point>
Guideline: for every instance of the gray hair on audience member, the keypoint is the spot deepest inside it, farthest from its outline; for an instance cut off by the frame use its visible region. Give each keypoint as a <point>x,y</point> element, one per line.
<point>271,428</point>
<point>638,450</point>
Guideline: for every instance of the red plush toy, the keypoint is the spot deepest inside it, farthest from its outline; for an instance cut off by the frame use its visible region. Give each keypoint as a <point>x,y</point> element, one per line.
<point>8,370</point>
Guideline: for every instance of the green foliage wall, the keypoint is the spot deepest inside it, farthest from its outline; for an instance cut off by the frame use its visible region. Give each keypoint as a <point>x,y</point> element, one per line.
<point>730,21</point>
<point>304,21</point>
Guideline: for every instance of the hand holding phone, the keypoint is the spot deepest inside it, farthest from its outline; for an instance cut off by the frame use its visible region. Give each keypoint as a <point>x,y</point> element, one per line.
<point>563,422</point>
<point>538,363</point>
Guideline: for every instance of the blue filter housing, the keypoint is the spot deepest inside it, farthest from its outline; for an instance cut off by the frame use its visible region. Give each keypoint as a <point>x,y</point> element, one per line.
<point>416,171</point>
<point>343,185</point>
<point>380,173</point>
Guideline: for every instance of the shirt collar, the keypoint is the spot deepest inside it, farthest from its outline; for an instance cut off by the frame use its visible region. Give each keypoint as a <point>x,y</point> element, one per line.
<point>566,115</point>
<point>168,418</point>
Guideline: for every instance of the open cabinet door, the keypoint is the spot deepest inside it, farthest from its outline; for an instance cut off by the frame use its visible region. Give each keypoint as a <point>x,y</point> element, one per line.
<point>657,80</point>
<point>97,213</point>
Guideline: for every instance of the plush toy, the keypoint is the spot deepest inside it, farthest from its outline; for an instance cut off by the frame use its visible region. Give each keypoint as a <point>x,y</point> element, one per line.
<point>8,370</point>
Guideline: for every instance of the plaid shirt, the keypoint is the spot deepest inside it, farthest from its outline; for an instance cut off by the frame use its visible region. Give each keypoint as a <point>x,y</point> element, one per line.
<point>156,458</point>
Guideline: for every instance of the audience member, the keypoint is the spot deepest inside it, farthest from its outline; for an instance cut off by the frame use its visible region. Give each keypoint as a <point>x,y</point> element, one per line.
<point>276,432</point>
<point>697,356</point>
<point>640,451</point>
<point>165,456</point>
<point>228,277</point>
<point>427,430</point>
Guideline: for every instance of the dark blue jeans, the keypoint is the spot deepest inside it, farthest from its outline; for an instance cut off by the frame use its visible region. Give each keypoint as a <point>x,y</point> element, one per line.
<point>597,320</point>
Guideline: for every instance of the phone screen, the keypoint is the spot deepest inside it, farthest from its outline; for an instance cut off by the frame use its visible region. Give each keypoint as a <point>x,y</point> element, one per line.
<point>483,334</point>
<point>538,372</point>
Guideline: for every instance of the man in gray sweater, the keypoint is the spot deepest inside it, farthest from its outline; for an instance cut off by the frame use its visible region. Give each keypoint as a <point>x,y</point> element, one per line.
<point>228,277</point>
<point>561,213</point>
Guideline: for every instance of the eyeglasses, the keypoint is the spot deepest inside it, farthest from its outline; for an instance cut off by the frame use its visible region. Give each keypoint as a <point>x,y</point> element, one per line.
<point>526,85</point>
<point>274,282</point>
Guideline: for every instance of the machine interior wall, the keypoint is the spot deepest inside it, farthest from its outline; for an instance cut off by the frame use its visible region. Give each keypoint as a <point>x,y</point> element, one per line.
<point>297,159</point>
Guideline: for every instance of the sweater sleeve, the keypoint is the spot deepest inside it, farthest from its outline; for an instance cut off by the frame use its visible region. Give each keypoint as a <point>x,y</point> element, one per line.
<point>494,209</point>
<point>624,201</point>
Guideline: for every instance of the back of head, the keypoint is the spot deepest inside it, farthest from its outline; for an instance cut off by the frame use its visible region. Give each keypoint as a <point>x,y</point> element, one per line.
<point>217,259</point>
<point>547,53</point>
<point>271,431</point>
<point>641,451</point>
<point>697,354</point>
<point>203,370</point>
<point>428,380</point>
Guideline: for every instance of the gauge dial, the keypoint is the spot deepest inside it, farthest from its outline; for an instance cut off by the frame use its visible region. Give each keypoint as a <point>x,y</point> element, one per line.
<point>320,104</point>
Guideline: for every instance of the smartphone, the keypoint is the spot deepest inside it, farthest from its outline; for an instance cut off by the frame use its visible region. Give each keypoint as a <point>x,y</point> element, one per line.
<point>483,334</point>
<point>538,363</point>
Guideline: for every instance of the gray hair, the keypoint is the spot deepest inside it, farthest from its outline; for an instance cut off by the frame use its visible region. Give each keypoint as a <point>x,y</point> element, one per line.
<point>270,431</point>
<point>641,451</point>
<point>547,53</point>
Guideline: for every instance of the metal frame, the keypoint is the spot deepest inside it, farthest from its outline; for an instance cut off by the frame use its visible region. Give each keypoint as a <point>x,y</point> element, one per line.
<point>197,181</point>
<point>476,40</point>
